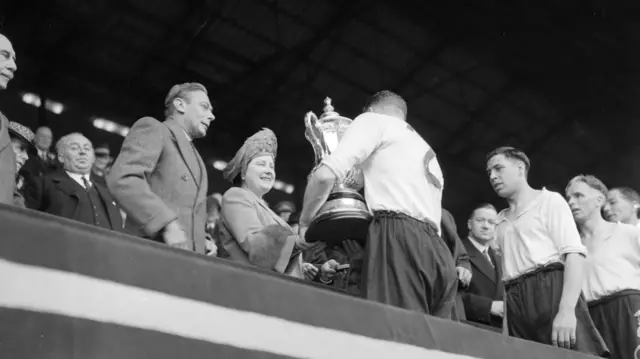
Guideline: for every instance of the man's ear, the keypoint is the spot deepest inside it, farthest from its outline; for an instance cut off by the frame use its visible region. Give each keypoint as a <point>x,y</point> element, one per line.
<point>60,158</point>
<point>180,104</point>
<point>522,168</point>
<point>469,225</point>
<point>602,199</point>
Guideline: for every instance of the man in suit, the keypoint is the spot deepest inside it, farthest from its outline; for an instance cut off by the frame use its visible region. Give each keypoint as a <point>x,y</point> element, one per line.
<point>42,161</point>
<point>70,193</point>
<point>103,160</point>
<point>159,178</point>
<point>483,298</point>
<point>7,158</point>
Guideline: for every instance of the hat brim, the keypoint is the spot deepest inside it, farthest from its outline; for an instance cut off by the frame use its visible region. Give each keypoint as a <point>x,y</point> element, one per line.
<point>31,146</point>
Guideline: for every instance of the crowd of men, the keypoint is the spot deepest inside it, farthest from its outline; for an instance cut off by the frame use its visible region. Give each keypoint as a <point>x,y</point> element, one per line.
<point>556,268</point>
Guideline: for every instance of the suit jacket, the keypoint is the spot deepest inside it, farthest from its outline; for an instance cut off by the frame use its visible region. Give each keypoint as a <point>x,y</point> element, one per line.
<point>452,239</point>
<point>99,179</point>
<point>37,167</point>
<point>7,163</point>
<point>159,177</point>
<point>257,236</point>
<point>460,257</point>
<point>57,194</point>
<point>486,286</point>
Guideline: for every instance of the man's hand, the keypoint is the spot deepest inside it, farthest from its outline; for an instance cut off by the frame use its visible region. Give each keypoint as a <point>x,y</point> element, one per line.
<point>328,270</point>
<point>174,235</point>
<point>211,248</point>
<point>563,334</point>
<point>497,308</point>
<point>464,275</point>
<point>309,271</point>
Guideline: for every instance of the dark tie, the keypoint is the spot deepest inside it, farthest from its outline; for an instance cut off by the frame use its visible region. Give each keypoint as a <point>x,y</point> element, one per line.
<point>488,256</point>
<point>87,184</point>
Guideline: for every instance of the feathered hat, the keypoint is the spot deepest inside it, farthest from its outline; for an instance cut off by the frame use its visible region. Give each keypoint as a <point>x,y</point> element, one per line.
<point>263,142</point>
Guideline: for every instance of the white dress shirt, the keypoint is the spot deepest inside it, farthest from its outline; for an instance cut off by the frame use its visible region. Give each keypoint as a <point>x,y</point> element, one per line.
<point>78,178</point>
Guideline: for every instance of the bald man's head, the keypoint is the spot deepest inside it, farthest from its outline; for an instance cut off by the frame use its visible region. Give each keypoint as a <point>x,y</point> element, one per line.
<point>387,103</point>
<point>8,65</point>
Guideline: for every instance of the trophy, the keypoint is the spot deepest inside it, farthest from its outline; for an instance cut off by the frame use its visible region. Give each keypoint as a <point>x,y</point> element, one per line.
<point>345,214</point>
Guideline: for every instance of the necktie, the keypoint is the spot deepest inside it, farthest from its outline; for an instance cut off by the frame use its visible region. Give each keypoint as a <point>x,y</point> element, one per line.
<point>87,184</point>
<point>486,254</point>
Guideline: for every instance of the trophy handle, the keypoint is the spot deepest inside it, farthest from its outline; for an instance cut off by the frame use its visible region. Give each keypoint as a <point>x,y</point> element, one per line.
<point>313,133</point>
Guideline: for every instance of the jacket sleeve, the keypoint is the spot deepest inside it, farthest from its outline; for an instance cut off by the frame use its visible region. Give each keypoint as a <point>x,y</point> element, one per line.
<point>34,193</point>
<point>477,308</point>
<point>7,163</point>
<point>127,180</point>
<point>451,237</point>
<point>267,246</point>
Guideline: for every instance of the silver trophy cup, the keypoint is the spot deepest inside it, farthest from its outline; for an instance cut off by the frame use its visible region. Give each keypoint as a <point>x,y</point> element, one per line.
<point>345,214</point>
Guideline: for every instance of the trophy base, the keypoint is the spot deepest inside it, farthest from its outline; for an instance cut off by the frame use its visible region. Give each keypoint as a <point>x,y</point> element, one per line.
<point>343,216</point>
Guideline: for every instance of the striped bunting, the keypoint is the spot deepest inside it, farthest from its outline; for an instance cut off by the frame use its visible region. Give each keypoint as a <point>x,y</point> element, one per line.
<point>42,290</point>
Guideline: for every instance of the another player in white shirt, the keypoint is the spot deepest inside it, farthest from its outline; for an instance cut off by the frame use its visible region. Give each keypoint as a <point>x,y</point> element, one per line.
<point>542,260</point>
<point>612,272</point>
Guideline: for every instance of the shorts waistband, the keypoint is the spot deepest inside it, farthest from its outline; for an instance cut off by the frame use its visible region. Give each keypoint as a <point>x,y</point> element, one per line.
<point>400,215</point>
<point>544,269</point>
<point>613,296</point>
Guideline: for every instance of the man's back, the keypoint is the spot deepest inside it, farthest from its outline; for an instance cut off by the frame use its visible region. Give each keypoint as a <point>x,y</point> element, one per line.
<point>396,172</point>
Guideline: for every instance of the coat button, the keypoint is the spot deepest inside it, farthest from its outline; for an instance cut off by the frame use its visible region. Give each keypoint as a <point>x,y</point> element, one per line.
<point>184,176</point>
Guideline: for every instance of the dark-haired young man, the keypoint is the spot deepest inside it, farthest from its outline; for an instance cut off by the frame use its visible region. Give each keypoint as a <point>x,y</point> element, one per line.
<point>407,264</point>
<point>543,260</point>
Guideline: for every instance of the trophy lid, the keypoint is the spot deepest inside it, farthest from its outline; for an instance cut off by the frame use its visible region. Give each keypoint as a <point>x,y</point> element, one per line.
<point>330,113</point>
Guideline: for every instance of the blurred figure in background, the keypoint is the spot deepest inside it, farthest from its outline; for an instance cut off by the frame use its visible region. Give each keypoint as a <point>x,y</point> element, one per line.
<point>294,221</point>
<point>284,209</point>
<point>103,160</point>
<point>213,214</point>
<point>8,68</point>
<point>622,206</point>
<point>22,144</point>
<point>43,161</point>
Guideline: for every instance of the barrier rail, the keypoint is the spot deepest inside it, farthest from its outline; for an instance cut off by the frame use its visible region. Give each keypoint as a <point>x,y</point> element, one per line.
<point>68,290</point>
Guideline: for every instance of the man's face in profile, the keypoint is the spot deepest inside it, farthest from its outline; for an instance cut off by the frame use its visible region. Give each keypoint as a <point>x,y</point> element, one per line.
<point>8,65</point>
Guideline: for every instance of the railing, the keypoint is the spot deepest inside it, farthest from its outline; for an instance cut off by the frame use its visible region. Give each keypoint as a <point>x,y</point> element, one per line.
<point>68,290</point>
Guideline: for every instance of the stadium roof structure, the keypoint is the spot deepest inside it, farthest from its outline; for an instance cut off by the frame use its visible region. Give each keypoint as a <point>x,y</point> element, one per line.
<point>556,79</point>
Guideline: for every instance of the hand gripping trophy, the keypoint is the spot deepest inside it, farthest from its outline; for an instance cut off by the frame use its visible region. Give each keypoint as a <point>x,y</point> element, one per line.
<point>345,214</point>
